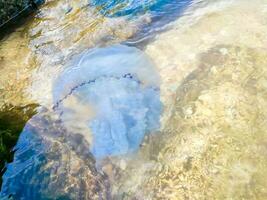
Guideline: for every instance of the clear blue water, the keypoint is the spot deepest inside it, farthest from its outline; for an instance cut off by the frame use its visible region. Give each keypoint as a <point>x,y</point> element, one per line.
<point>133,8</point>
<point>159,12</point>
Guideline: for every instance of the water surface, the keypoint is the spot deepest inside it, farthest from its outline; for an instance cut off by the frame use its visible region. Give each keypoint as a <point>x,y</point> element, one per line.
<point>210,58</point>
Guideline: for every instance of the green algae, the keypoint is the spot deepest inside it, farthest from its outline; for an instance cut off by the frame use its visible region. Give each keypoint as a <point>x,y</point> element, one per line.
<point>12,121</point>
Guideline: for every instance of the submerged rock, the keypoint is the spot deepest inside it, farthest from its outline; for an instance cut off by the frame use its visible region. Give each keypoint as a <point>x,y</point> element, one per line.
<point>120,87</point>
<point>51,163</point>
<point>12,121</point>
<point>12,9</point>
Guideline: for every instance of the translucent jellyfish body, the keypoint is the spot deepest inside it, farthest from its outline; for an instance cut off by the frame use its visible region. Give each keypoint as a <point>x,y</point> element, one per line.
<point>118,87</point>
<point>109,93</point>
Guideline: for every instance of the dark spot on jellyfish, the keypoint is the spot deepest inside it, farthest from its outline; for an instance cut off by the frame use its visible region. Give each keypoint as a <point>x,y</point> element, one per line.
<point>68,10</point>
<point>121,85</point>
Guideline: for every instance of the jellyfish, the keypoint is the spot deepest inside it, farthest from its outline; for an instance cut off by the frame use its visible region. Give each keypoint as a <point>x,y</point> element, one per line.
<point>117,90</point>
<point>105,101</point>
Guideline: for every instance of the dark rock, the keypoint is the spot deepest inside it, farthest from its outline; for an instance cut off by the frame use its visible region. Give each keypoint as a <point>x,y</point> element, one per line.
<point>12,121</point>
<point>10,10</point>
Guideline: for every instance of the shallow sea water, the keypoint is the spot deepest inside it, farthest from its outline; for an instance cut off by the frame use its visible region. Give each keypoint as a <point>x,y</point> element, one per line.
<point>205,88</point>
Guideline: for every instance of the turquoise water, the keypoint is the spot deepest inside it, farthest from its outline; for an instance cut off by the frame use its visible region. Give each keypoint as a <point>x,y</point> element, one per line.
<point>136,7</point>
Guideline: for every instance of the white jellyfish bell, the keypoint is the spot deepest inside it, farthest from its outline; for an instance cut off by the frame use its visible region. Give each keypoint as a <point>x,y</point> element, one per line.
<point>111,96</point>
